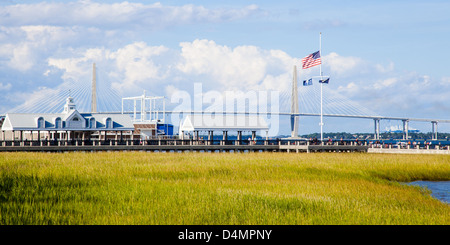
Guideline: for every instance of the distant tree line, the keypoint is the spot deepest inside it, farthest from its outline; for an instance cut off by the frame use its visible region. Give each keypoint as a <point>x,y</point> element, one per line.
<point>385,135</point>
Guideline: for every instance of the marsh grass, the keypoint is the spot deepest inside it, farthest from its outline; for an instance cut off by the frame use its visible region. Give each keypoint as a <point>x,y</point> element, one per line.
<point>218,188</point>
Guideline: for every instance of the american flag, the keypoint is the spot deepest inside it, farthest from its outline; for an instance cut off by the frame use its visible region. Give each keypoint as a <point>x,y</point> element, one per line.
<point>311,60</point>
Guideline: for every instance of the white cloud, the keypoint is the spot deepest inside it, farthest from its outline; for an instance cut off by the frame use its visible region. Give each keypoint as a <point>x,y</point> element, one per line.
<point>385,69</point>
<point>42,33</point>
<point>30,33</point>
<point>28,46</point>
<point>5,87</point>
<point>351,88</point>
<point>77,65</point>
<point>133,66</point>
<point>392,93</point>
<point>242,67</point>
<point>161,70</point>
<point>341,65</point>
<point>385,83</point>
<point>22,57</point>
<point>445,81</point>
<point>136,61</point>
<point>139,65</point>
<point>116,15</point>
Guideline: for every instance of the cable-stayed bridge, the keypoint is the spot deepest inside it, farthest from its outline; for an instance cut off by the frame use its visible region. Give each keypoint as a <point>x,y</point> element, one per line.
<point>296,102</point>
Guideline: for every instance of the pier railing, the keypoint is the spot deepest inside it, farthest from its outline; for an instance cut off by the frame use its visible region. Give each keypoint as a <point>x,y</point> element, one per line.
<point>273,144</point>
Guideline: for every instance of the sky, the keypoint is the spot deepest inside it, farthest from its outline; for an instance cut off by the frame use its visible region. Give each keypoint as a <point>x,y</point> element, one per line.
<point>388,56</point>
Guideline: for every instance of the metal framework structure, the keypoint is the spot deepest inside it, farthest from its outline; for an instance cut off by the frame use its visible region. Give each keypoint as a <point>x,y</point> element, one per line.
<point>147,111</point>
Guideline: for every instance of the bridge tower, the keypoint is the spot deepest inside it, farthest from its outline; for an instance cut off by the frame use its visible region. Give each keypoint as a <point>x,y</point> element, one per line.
<point>94,91</point>
<point>294,106</point>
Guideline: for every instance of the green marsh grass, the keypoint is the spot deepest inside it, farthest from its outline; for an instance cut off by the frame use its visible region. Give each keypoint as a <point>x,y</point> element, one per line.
<point>219,188</point>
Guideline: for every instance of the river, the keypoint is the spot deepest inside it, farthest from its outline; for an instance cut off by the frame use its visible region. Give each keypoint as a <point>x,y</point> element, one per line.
<point>439,189</point>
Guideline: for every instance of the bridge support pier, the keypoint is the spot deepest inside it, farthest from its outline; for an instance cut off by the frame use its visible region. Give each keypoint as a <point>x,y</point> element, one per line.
<point>377,128</point>
<point>405,129</point>
<point>294,126</point>
<point>434,130</point>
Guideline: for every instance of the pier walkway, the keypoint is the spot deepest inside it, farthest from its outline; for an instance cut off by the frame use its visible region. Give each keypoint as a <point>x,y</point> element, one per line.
<point>176,145</point>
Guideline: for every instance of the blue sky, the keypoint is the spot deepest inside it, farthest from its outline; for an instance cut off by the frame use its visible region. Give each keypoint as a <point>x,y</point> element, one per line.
<point>389,56</point>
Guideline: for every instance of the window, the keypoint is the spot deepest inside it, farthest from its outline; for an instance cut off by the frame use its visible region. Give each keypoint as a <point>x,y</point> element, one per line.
<point>75,119</point>
<point>92,122</point>
<point>58,123</point>
<point>108,123</point>
<point>41,122</point>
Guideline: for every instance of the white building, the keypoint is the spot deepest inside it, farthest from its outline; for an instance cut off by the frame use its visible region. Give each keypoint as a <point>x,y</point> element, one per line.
<point>224,123</point>
<point>67,125</point>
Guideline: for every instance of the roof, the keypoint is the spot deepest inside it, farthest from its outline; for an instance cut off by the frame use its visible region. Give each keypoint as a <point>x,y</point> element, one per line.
<point>70,118</point>
<point>17,121</point>
<point>223,123</point>
<point>119,120</point>
<point>28,121</point>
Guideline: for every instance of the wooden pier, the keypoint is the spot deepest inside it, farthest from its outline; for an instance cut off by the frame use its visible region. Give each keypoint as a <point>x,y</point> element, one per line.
<point>190,145</point>
<point>179,146</point>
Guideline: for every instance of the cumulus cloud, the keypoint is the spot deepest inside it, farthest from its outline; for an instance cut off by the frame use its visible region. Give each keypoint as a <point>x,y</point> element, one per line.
<point>28,46</point>
<point>388,91</point>
<point>166,71</point>
<point>342,65</point>
<point>45,41</point>
<point>128,69</point>
<point>136,62</point>
<point>42,34</point>
<point>389,82</point>
<point>385,69</point>
<point>218,67</point>
<point>242,67</point>
<point>22,57</point>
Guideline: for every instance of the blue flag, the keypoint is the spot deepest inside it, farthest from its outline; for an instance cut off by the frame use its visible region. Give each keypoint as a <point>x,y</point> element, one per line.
<point>324,81</point>
<point>307,83</point>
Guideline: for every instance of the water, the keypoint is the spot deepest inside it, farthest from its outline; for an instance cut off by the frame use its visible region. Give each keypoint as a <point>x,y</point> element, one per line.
<point>439,189</point>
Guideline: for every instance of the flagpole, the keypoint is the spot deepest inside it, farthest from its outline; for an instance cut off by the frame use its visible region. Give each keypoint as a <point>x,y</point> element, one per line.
<point>321,90</point>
